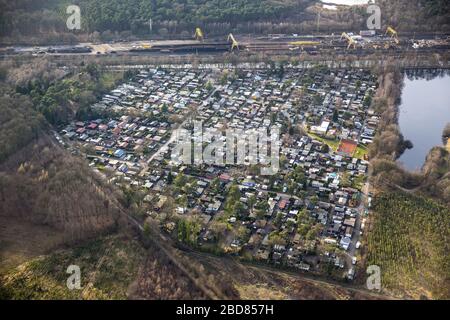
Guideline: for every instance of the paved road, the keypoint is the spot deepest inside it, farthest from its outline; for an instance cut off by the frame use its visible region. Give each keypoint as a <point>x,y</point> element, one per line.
<point>352,251</point>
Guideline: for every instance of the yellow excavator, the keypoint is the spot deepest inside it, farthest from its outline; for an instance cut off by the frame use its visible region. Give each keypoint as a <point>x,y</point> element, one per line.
<point>198,34</point>
<point>234,43</point>
<point>394,35</point>
<point>350,40</point>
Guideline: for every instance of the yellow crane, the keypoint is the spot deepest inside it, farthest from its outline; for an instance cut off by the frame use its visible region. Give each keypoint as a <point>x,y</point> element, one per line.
<point>350,40</point>
<point>199,34</point>
<point>234,43</point>
<point>394,35</point>
<point>391,31</point>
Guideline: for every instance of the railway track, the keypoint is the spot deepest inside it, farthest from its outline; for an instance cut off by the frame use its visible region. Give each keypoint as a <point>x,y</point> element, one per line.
<point>287,45</point>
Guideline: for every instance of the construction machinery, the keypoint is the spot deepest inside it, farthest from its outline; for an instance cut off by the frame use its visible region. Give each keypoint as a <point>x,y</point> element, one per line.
<point>234,43</point>
<point>393,34</point>
<point>350,40</point>
<point>198,34</point>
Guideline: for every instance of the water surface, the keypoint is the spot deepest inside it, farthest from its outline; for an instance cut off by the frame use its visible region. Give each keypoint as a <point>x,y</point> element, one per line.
<point>423,114</point>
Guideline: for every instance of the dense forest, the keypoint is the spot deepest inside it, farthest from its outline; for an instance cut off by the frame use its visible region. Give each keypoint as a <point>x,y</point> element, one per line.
<point>409,240</point>
<point>416,15</point>
<point>132,16</point>
<point>19,124</point>
<point>45,20</point>
<point>71,97</point>
<point>44,185</point>
<point>59,95</point>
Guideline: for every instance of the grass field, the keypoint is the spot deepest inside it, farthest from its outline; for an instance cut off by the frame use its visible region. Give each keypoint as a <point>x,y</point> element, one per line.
<point>333,144</point>
<point>360,152</point>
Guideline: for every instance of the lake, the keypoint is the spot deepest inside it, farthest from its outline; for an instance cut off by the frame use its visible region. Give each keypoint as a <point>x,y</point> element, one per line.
<point>423,114</point>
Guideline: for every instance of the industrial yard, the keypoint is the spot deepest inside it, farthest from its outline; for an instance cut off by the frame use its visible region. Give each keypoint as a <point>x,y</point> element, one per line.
<point>364,42</point>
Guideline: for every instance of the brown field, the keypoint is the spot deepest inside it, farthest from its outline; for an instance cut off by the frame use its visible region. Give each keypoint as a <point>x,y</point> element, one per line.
<point>347,146</point>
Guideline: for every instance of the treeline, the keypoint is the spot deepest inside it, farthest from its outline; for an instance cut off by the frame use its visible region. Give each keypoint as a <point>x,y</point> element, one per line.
<point>434,178</point>
<point>436,174</point>
<point>436,7</point>
<point>417,15</point>
<point>389,141</point>
<point>26,17</point>
<point>446,133</point>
